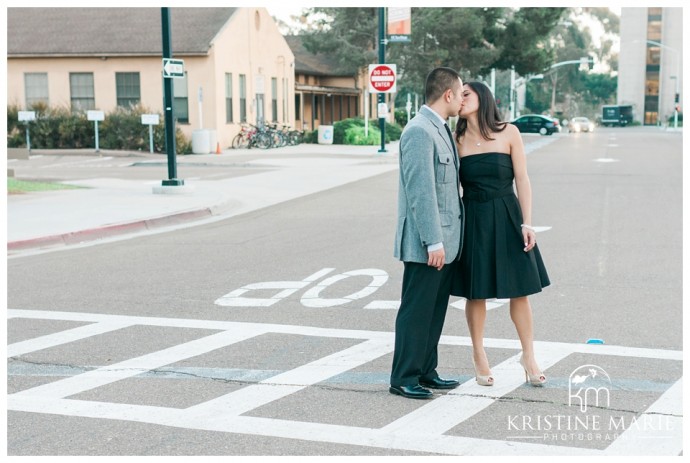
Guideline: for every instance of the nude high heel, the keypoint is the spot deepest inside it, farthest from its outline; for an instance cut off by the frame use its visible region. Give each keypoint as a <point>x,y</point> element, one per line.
<point>534,380</point>
<point>487,380</point>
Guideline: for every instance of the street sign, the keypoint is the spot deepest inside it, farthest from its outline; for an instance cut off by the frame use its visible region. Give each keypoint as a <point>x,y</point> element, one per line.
<point>382,109</point>
<point>173,68</point>
<point>382,78</point>
<point>95,115</point>
<point>399,26</point>
<point>26,116</point>
<point>150,119</point>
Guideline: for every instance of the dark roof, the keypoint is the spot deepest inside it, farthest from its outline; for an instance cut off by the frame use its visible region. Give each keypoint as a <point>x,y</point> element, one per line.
<point>110,31</point>
<point>320,64</point>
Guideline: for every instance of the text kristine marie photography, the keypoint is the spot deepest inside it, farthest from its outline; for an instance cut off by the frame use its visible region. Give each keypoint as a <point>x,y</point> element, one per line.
<point>590,417</point>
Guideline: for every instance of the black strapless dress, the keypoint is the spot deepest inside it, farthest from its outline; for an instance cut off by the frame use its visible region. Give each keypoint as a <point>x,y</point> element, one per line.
<point>493,263</point>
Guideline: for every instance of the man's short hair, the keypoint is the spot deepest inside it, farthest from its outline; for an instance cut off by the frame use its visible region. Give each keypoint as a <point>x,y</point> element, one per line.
<point>438,81</point>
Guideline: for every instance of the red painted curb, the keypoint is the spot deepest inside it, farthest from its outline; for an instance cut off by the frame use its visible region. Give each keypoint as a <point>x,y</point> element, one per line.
<point>93,234</point>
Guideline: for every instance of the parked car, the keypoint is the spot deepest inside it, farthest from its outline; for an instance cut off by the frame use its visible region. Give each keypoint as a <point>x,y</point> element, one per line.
<point>536,123</point>
<point>580,124</point>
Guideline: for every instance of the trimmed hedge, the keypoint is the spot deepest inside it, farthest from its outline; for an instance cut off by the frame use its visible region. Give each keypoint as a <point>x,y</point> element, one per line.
<point>60,128</point>
<point>356,126</point>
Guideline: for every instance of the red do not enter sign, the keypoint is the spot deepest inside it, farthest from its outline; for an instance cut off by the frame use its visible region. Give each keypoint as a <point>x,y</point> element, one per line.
<point>382,78</point>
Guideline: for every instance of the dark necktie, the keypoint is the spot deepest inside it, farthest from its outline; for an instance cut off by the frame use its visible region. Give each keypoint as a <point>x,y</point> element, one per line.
<point>452,142</point>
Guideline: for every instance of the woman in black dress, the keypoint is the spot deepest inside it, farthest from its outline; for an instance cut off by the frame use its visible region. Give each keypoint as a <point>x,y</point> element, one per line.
<point>500,257</point>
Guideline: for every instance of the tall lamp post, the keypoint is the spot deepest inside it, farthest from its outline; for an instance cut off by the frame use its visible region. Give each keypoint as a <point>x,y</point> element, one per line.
<point>676,98</point>
<point>514,85</point>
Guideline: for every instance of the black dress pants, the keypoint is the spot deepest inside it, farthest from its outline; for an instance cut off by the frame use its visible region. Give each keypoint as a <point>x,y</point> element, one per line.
<point>418,326</point>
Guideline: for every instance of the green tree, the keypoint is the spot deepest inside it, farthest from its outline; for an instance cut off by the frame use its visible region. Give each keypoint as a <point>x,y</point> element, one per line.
<point>349,34</point>
<point>568,91</point>
<point>471,40</point>
<point>524,42</point>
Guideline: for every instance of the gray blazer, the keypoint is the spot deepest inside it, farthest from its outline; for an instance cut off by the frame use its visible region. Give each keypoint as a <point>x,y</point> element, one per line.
<point>429,206</point>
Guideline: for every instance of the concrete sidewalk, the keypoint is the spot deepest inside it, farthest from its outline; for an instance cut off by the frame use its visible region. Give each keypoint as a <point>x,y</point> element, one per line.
<point>109,207</point>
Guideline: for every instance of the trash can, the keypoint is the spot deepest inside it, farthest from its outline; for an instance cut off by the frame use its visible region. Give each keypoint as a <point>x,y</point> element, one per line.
<point>325,135</point>
<point>201,142</point>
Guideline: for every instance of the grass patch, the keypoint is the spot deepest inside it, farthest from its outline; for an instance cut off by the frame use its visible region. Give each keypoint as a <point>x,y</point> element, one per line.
<point>15,186</point>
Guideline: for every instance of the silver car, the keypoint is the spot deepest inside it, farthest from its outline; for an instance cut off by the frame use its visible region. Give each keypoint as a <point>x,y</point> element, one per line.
<point>580,124</point>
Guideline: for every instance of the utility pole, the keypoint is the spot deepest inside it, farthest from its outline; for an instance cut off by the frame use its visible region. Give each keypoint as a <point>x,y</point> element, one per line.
<point>382,60</point>
<point>585,60</point>
<point>168,105</point>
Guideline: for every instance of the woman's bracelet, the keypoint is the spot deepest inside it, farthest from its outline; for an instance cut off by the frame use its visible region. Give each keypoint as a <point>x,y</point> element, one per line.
<point>528,227</point>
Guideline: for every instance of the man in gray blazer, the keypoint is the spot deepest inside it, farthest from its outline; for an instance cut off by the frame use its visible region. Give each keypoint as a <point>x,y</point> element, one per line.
<point>429,236</point>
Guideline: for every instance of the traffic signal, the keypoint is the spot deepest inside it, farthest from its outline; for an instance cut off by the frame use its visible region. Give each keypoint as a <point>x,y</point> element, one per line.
<point>586,63</point>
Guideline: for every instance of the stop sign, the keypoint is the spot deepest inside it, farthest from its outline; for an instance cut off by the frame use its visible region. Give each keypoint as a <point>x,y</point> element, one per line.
<point>382,78</point>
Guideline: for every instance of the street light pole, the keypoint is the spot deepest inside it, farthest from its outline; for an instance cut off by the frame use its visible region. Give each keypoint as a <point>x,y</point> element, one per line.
<point>168,105</point>
<point>554,77</point>
<point>514,85</point>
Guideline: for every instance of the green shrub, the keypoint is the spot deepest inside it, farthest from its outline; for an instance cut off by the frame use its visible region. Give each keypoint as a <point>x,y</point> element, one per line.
<point>60,128</point>
<point>311,136</point>
<point>16,137</point>
<point>393,131</point>
<point>341,129</point>
<point>401,117</point>
<point>122,129</point>
<point>672,117</point>
<point>356,136</point>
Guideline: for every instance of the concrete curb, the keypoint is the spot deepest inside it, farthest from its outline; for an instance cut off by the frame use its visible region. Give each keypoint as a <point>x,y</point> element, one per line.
<point>107,231</point>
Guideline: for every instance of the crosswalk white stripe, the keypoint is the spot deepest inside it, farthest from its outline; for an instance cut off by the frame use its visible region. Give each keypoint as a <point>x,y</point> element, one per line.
<point>659,430</point>
<point>435,418</point>
<point>135,366</point>
<point>63,337</point>
<point>316,432</point>
<point>276,387</point>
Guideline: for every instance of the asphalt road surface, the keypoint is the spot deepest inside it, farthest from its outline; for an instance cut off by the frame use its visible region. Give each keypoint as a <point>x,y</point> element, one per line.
<point>271,333</point>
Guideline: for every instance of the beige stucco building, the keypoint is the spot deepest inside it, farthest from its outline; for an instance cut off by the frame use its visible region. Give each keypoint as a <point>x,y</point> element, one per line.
<point>237,65</point>
<point>323,95</point>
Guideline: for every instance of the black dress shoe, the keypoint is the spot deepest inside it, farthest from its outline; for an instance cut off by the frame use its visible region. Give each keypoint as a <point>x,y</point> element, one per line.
<point>411,392</point>
<point>438,383</point>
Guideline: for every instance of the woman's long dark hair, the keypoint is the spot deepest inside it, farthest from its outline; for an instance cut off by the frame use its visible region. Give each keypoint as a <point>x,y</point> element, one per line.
<point>488,115</point>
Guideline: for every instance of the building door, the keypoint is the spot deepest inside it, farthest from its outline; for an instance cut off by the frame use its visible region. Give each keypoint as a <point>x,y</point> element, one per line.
<point>260,118</point>
<point>260,106</point>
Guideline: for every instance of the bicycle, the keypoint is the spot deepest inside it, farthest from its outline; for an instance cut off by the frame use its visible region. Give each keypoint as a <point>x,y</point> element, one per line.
<point>243,138</point>
<point>295,137</point>
<point>261,137</point>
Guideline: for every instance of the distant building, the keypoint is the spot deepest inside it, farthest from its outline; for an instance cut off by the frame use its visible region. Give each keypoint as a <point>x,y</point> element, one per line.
<point>322,94</point>
<point>650,68</point>
<point>237,65</point>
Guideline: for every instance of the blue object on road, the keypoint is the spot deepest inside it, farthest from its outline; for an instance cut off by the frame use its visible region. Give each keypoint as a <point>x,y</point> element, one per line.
<point>595,341</point>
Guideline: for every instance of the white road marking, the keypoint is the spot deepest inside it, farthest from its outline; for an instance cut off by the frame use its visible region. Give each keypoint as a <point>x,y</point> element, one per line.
<point>311,297</point>
<point>222,414</point>
<point>233,299</point>
<point>63,337</point>
<point>660,431</point>
<point>386,305</point>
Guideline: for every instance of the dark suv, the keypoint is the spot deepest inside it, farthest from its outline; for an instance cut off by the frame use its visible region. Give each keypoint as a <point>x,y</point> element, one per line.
<point>536,123</point>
